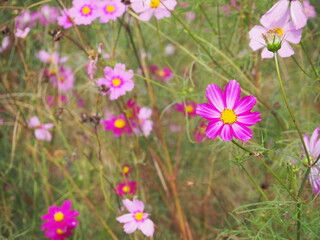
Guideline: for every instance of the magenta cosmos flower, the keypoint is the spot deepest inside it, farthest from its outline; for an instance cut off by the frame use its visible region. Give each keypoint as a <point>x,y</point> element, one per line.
<point>313,147</point>
<point>228,115</point>
<point>126,170</point>
<point>126,187</point>
<point>158,8</point>
<point>189,108</point>
<point>309,9</point>
<point>282,11</point>
<point>274,37</point>
<point>42,133</point>
<point>199,133</point>
<point>110,10</point>
<point>118,125</point>
<point>136,219</point>
<point>60,221</point>
<point>117,81</point>
<point>83,11</point>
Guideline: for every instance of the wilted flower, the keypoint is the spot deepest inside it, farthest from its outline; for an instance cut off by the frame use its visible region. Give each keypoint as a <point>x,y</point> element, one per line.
<point>118,125</point>
<point>136,219</point>
<point>228,115</point>
<point>282,11</point>
<point>200,131</point>
<point>313,147</point>
<point>110,10</point>
<point>126,187</point>
<point>163,73</point>
<point>60,221</point>
<point>147,8</point>
<point>42,133</point>
<point>188,107</point>
<point>117,81</point>
<point>274,38</point>
<point>83,11</point>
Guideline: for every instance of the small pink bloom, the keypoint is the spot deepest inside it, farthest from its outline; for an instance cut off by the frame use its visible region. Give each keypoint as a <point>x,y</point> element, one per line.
<point>110,10</point>
<point>59,221</point>
<point>189,108</point>
<point>274,35</point>
<point>282,11</point>
<point>126,187</point>
<point>26,19</point>
<point>163,73</point>
<point>118,125</point>
<point>22,33</point>
<point>136,219</point>
<point>64,81</point>
<point>54,101</point>
<point>5,44</point>
<point>158,8</point>
<point>41,133</point>
<point>309,9</point>
<point>200,131</point>
<point>126,169</point>
<point>53,57</point>
<point>117,81</point>
<point>228,115</point>
<point>48,15</point>
<point>144,124</point>
<point>313,147</point>
<point>64,20</point>
<point>84,11</point>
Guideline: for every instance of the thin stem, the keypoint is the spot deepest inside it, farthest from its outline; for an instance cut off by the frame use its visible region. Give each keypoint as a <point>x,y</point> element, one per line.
<point>309,59</point>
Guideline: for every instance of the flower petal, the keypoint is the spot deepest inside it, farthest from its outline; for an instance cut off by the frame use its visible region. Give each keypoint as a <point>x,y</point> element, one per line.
<point>285,50</point>
<point>241,132</point>
<point>314,179</point>
<point>147,227</point>
<point>278,14</point>
<point>245,104</point>
<point>249,119</point>
<point>313,139</point>
<point>125,218</point>
<point>226,132</point>
<point>214,129</point>
<point>215,96</point>
<point>138,205</point>
<point>130,227</point>
<point>232,93</point>
<point>298,15</point>
<point>129,205</point>
<point>266,53</point>
<point>206,111</point>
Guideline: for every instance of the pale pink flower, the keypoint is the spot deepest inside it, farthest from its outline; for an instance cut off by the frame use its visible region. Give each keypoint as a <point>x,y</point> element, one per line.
<point>274,37</point>
<point>309,9</point>
<point>190,16</point>
<point>5,44</point>
<point>158,8</point>
<point>110,10</point>
<point>48,15</point>
<point>26,19</point>
<point>84,11</point>
<point>117,81</point>
<point>52,57</point>
<point>64,20</point>
<point>136,219</point>
<point>144,124</point>
<point>64,81</point>
<point>22,33</point>
<point>282,11</point>
<point>41,133</point>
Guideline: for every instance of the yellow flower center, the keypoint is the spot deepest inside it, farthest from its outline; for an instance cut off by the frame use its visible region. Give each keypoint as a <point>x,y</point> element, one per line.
<point>58,217</point>
<point>86,10</point>
<point>125,169</point>
<point>138,216</point>
<point>126,189</point>
<point>119,123</point>
<point>228,116</point>
<point>62,79</point>
<point>161,73</point>
<point>154,3</point>
<point>60,232</point>
<point>116,82</point>
<point>189,109</point>
<point>110,8</point>
<point>274,31</point>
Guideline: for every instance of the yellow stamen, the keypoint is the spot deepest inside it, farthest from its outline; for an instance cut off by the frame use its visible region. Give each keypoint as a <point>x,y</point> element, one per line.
<point>86,10</point>
<point>116,82</point>
<point>126,189</point>
<point>154,3</point>
<point>119,123</point>
<point>62,79</point>
<point>60,232</point>
<point>228,116</point>
<point>58,217</point>
<point>125,169</point>
<point>161,73</point>
<point>189,109</point>
<point>110,8</point>
<point>138,216</point>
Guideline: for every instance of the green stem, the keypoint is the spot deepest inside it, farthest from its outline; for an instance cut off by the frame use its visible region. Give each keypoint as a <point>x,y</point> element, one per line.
<point>309,59</point>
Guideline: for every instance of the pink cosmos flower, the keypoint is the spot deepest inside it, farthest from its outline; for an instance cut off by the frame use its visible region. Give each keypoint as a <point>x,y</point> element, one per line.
<point>26,19</point>
<point>163,73</point>
<point>144,124</point>
<point>309,9</point>
<point>313,147</point>
<point>274,37</point>
<point>52,57</point>
<point>5,44</point>
<point>110,10</point>
<point>117,81</point>
<point>64,81</point>
<point>200,131</point>
<point>22,33</point>
<point>64,20</point>
<point>41,133</point>
<point>126,169</point>
<point>228,115</point>
<point>54,100</point>
<point>189,108</point>
<point>118,125</point>
<point>126,187</point>
<point>158,8</point>
<point>136,219</point>
<point>84,11</point>
<point>48,15</point>
<point>282,11</point>
<point>59,221</point>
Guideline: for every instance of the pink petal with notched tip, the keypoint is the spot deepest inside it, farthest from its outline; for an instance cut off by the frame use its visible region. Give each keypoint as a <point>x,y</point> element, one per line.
<point>206,111</point>
<point>147,227</point>
<point>241,132</point>
<point>130,227</point>
<point>232,93</point>
<point>226,132</point>
<point>215,97</point>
